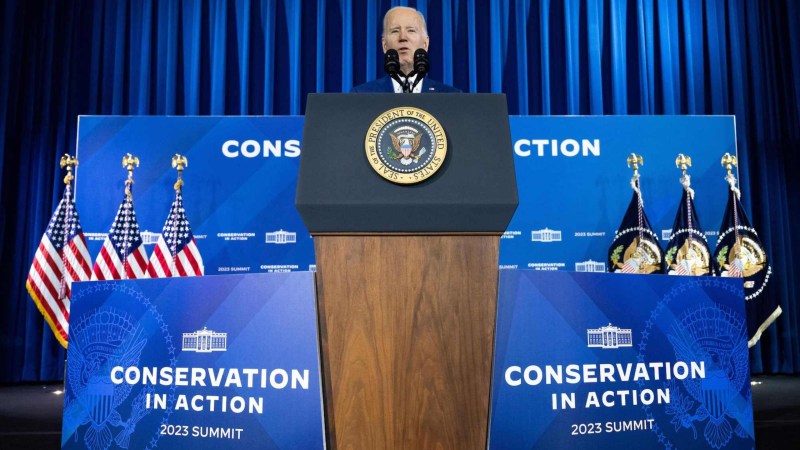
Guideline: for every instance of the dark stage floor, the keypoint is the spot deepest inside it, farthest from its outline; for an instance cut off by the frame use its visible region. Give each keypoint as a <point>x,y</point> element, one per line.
<point>30,415</point>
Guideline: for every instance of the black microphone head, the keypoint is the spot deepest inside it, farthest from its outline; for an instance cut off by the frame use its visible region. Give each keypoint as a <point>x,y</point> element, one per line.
<point>421,61</point>
<point>391,62</point>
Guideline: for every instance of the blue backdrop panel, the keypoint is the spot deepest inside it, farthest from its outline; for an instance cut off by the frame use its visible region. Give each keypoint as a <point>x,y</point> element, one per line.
<point>237,195</point>
<point>235,358</point>
<point>630,350</point>
<point>571,171</point>
<point>573,194</point>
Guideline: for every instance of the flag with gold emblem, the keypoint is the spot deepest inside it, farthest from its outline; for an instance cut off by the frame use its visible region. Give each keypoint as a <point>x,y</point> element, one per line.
<point>635,248</point>
<point>740,254</point>
<point>687,251</point>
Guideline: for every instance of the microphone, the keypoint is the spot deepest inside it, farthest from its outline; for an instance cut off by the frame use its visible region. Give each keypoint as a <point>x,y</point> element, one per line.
<point>391,62</point>
<point>421,65</point>
<point>421,61</point>
<point>391,65</point>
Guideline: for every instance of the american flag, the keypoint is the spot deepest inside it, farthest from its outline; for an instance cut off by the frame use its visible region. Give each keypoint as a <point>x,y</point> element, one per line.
<point>123,255</point>
<point>176,252</point>
<point>62,257</point>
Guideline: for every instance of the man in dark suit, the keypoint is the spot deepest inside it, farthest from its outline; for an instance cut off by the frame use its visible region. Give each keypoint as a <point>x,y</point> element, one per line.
<point>404,30</point>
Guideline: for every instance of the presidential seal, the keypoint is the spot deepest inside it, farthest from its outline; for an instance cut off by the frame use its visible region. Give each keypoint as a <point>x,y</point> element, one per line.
<point>406,145</point>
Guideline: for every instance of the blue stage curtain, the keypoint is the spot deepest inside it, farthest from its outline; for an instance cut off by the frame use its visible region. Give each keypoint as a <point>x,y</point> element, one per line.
<point>59,59</point>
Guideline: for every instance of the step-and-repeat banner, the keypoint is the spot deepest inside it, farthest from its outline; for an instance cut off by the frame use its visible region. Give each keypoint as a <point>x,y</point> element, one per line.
<point>574,184</point>
<point>199,362</point>
<point>643,361</point>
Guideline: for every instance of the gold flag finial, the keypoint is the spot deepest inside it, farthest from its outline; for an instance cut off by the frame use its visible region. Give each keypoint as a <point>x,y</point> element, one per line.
<point>68,162</point>
<point>129,162</point>
<point>635,161</point>
<point>683,162</point>
<point>179,163</point>
<point>729,162</point>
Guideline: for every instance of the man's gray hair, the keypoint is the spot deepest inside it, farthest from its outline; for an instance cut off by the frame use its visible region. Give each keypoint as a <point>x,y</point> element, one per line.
<point>421,19</point>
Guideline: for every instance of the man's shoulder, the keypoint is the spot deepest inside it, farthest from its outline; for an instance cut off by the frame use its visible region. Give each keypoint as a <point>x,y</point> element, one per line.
<point>380,85</point>
<point>432,86</point>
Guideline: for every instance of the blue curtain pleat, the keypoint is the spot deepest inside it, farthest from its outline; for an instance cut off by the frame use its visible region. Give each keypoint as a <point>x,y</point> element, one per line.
<point>9,11</point>
<point>167,58</point>
<point>522,10</point>
<point>572,10</point>
<point>243,12</point>
<point>192,16</point>
<point>619,71</point>
<point>595,13</point>
<point>217,54</point>
<point>447,41</point>
<point>715,23</point>
<point>497,33</point>
<point>793,16</point>
<point>320,73</point>
<point>473,58</point>
<point>293,15</point>
<point>253,57</point>
<point>544,26</point>
<point>695,72</point>
<point>647,70</point>
<point>374,31</point>
<point>670,55</point>
<point>347,44</point>
<point>268,11</point>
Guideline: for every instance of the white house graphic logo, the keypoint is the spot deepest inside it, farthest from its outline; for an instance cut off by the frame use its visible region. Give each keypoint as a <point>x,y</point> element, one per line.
<point>281,237</point>
<point>609,337</point>
<point>590,266</point>
<point>205,341</point>
<point>148,237</point>
<point>546,235</point>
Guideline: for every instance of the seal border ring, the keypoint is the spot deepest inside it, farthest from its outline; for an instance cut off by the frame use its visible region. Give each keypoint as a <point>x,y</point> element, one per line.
<point>386,172</point>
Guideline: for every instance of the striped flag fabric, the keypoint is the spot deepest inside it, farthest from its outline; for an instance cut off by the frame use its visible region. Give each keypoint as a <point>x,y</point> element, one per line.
<point>123,255</point>
<point>61,258</point>
<point>176,253</point>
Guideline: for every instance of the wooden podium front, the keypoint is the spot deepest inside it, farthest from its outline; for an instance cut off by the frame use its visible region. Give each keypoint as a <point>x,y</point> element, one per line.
<point>406,289</point>
<point>407,327</point>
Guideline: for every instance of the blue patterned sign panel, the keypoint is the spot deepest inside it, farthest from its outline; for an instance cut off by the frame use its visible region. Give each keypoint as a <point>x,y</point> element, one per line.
<point>238,193</point>
<point>241,180</point>
<point>574,183</point>
<point>204,363</point>
<point>589,361</point>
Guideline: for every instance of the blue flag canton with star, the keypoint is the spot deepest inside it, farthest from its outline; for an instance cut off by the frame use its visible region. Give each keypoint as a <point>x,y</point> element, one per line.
<point>635,248</point>
<point>177,232</point>
<point>124,233</point>
<point>687,251</point>
<point>65,224</point>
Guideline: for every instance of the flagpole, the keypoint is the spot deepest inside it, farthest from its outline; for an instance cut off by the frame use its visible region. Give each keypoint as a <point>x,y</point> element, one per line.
<point>683,162</point>
<point>178,163</point>
<point>729,162</point>
<point>634,161</point>
<point>67,162</point>
<point>128,162</point>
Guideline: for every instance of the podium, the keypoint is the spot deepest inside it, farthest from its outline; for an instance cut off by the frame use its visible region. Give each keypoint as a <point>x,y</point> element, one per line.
<point>406,274</point>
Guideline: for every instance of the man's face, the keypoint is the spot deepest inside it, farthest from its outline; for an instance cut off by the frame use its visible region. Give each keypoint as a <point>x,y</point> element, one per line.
<point>405,33</point>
